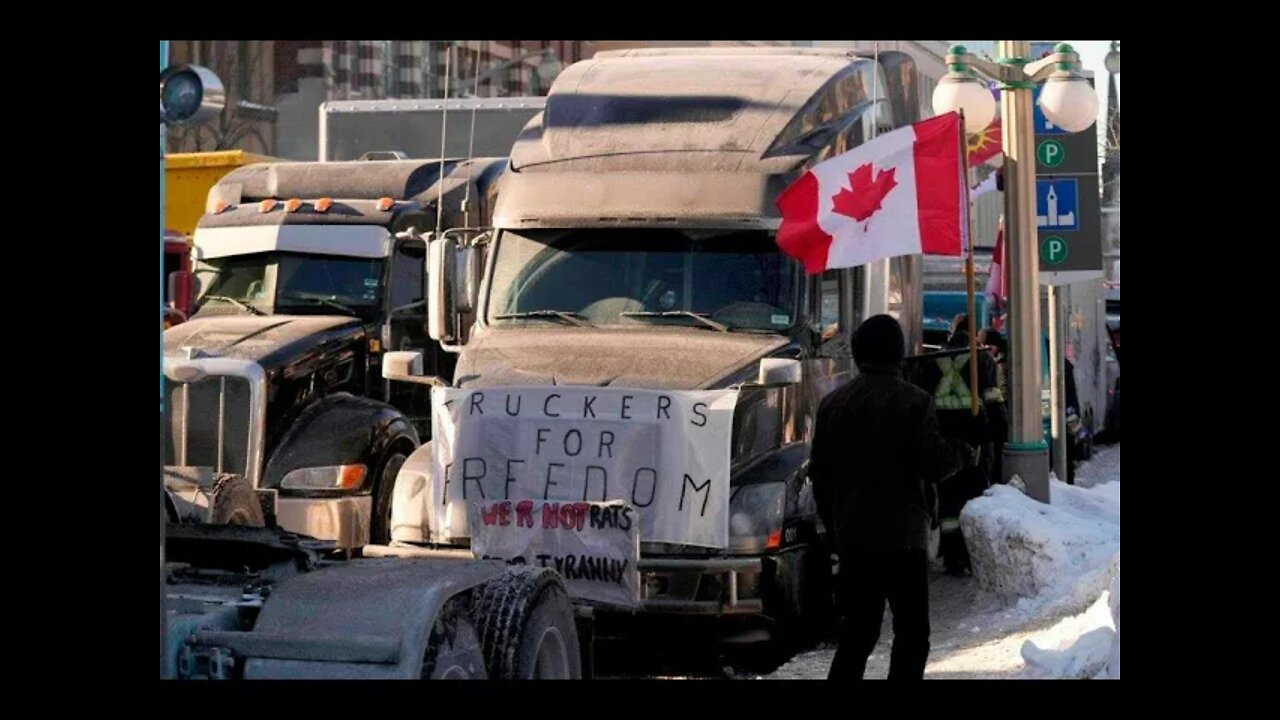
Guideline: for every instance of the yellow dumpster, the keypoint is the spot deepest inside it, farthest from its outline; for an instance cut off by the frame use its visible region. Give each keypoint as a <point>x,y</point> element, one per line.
<point>188,178</point>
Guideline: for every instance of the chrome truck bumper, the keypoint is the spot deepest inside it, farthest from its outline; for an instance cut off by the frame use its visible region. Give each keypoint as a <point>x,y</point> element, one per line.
<point>701,586</point>
<point>345,521</point>
<point>683,586</point>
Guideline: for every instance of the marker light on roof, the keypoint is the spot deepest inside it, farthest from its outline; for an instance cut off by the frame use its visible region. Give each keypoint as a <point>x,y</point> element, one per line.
<point>292,205</point>
<point>322,205</point>
<point>384,204</point>
<point>267,205</point>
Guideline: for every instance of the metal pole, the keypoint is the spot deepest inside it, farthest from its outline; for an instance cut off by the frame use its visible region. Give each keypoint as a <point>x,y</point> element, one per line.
<point>323,154</point>
<point>1026,454</point>
<point>164,62</point>
<point>1057,387</point>
<point>878,273</point>
<point>968,272</point>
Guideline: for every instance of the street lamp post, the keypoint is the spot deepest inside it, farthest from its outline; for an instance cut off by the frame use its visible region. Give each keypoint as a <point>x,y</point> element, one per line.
<point>189,95</point>
<point>1069,102</point>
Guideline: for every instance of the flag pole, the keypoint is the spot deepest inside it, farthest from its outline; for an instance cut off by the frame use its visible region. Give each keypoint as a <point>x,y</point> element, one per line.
<point>968,272</point>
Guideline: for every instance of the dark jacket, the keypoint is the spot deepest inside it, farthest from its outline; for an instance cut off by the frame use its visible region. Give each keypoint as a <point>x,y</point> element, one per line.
<point>1072,399</point>
<point>953,400</point>
<point>875,449</point>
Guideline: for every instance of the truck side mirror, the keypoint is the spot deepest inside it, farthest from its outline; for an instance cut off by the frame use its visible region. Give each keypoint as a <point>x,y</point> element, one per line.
<point>406,366</point>
<point>779,371</point>
<point>453,279</point>
<point>468,286</point>
<point>441,315</point>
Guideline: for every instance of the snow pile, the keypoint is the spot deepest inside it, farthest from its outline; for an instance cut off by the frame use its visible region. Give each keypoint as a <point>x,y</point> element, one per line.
<point>1063,555</point>
<point>1075,648</point>
<point>1113,663</point>
<point>1084,646</point>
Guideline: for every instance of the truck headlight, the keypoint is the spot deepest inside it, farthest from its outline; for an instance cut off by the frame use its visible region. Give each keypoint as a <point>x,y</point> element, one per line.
<point>755,517</point>
<point>332,477</point>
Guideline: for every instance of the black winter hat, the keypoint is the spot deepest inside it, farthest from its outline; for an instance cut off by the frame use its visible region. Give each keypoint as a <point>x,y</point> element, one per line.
<point>879,341</point>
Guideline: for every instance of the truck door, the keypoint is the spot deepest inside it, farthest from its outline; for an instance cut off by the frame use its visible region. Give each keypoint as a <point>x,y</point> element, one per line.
<point>406,329</point>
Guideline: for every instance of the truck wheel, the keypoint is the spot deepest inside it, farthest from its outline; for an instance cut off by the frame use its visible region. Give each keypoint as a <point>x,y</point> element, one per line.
<point>454,652</point>
<point>380,525</point>
<point>235,502</point>
<point>527,627</point>
<point>807,605</point>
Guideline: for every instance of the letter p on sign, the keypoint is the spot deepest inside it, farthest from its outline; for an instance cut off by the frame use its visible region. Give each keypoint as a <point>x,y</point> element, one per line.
<point>1050,153</point>
<point>1053,250</point>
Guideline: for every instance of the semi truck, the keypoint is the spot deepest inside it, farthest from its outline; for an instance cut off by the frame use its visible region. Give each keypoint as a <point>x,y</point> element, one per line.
<point>633,247</point>
<point>242,598</point>
<point>305,275</point>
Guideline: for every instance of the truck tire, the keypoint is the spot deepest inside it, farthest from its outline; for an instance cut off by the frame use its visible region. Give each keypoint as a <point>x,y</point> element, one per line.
<point>808,607</point>
<point>527,627</point>
<point>380,524</point>
<point>235,502</point>
<point>454,651</point>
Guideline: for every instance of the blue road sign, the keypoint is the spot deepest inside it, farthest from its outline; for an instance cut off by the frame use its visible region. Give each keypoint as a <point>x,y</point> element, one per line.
<point>1057,204</point>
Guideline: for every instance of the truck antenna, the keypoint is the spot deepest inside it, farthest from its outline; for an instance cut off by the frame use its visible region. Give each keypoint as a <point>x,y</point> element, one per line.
<point>471,146</point>
<point>444,124</point>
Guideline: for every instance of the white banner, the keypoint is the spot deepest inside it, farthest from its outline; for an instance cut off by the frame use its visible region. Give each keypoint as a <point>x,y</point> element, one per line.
<point>593,546</point>
<point>665,453</point>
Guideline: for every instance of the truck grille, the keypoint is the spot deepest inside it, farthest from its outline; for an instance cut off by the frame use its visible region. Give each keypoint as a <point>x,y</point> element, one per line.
<point>207,424</point>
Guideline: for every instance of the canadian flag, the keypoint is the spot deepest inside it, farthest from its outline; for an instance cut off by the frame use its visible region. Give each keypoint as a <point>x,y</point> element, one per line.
<point>902,193</point>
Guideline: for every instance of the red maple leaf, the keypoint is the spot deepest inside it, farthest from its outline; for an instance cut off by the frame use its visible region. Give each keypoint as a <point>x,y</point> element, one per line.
<point>862,198</point>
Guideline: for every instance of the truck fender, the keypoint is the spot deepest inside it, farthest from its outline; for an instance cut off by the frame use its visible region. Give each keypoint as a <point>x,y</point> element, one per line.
<point>341,429</point>
<point>322,625</point>
<point>411,500</point>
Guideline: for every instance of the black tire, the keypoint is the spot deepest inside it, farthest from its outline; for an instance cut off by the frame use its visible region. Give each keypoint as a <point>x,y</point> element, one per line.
<point>235,502</point>
<point>380,523</point>
<point>527,627</point>
<point>807,609</point>
<point>454,652</point>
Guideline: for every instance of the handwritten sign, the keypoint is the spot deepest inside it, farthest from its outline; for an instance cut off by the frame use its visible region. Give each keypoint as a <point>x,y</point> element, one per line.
<point>665,453</point>
<point>593,546</point>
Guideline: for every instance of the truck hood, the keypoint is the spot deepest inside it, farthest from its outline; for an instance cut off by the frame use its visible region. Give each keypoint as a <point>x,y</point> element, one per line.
<point>657,358</point>
<point>251,337</point>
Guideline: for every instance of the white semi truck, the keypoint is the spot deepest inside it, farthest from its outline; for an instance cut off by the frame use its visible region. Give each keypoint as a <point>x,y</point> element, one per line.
<point>633,248</point>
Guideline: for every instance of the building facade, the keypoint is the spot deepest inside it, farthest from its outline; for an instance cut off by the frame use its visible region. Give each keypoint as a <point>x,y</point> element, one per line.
<point>311,72</point>
<point>247,71</point>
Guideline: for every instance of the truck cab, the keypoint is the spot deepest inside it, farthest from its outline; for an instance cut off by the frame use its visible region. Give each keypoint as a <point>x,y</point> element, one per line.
<point>941,307</point>
<point>305,274</point>
<point>633,247</point>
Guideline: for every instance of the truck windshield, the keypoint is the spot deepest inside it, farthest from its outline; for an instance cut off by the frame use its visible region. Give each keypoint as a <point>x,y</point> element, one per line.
<point>270,281</point>
<point>614,277</point>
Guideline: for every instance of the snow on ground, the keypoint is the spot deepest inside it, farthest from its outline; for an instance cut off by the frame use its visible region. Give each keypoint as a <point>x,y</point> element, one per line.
<point>1049,608</point>
<point>1075,648</point>
<point>1063,554</point>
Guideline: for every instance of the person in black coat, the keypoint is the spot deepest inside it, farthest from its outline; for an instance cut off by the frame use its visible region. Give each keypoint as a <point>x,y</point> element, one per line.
<point>999,348</point>
<point>947,379</point>
<point>877,450</point>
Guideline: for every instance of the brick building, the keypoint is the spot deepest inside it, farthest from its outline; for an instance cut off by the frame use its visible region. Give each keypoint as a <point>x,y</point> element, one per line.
<point>310,72</point>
